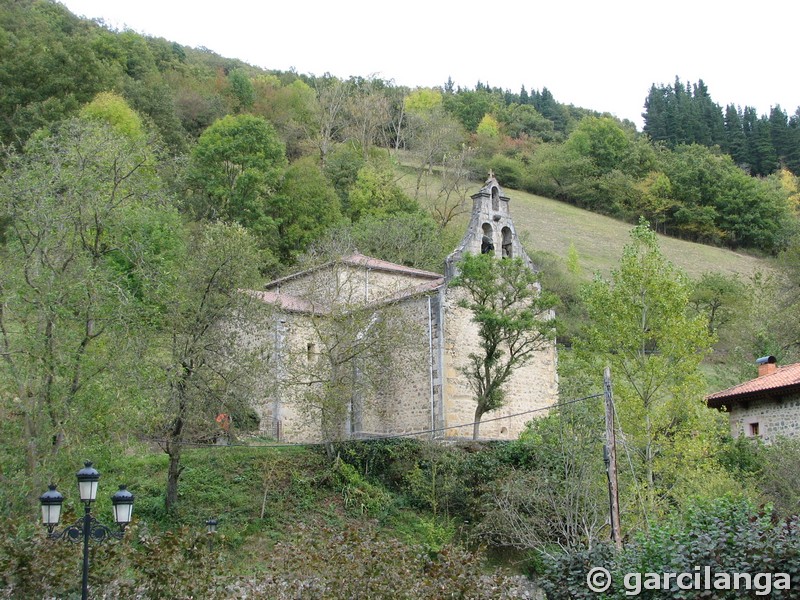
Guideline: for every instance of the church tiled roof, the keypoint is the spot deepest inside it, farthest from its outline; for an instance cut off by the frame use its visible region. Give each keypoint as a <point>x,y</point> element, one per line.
<point>382,265</point>
<point>784,380</point>
<point>429,281</point>
<point>361,260</point>
<point>288,302</point>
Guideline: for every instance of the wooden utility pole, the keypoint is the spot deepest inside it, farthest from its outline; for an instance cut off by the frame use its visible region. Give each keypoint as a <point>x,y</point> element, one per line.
<point>610,458</point>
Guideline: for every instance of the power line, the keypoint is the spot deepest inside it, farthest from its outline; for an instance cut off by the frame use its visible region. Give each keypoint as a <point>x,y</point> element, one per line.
<point>378,437</point>
<point>636,486</point>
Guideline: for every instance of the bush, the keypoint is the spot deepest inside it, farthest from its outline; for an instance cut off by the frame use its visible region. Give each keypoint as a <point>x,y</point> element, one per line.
<point>358,494</point>
<point>358,563</point>
<point>725,535</point>
<point>779,478</point>
<point>31,566</point>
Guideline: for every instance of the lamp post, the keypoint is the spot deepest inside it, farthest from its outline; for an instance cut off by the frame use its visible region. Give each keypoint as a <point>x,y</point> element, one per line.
<point>87,526</point>
<point>211,529</point>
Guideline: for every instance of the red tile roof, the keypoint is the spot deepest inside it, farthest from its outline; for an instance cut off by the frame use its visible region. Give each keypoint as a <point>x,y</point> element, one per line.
<point>412,291</point>
<point>297,304</point>
<point>288,303</point>
<point>383,265</point>
<point>785,380</point>
<point>361,260</point>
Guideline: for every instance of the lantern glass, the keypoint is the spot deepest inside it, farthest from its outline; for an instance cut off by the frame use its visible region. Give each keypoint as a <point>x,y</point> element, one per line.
<point>211,524</point>
<point>51,502</point>
<point>87,482</point>
<point>122,502</point>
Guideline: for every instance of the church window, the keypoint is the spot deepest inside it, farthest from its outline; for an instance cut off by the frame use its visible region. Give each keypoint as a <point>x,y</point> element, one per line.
<point>507,243</point>
<point>487,241</point>
<point>495,199</point>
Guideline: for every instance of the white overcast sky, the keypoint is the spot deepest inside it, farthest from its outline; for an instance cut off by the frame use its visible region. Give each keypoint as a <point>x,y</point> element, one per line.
<point>602,55</point>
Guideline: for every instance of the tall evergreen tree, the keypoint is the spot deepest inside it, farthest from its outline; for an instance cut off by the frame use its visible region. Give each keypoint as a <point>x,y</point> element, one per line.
<point>735,140</point>
<point>749,124</point>
<point>546,104</point>
<point>779,133</point>
<point>709,129</point>
<point>655,114</point>
<point>765,160</point>
<point>523,96</point>
<point>793,158</point>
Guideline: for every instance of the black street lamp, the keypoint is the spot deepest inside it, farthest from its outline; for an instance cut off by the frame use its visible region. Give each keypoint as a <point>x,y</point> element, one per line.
<point>211,526</point>
<point>87,526</point>
<point>211,529</point>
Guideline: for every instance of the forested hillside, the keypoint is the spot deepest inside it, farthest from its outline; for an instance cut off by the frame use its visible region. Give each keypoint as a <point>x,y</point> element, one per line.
<point>687,175</point>
<point>686,114</point>
<point>144,184</point>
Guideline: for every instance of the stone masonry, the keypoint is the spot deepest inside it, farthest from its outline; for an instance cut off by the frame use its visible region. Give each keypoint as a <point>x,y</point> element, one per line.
<point>424,390</point>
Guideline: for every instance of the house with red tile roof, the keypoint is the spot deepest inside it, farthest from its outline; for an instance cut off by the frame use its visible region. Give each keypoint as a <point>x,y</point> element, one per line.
<point>767,407</point>
<point>424,389</point>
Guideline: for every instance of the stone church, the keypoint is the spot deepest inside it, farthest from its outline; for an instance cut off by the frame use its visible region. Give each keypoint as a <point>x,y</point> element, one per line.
<point>421,387</point>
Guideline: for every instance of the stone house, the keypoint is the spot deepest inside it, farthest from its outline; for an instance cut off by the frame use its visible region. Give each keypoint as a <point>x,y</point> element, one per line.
<point>420,385</point>
<point>767,407</point>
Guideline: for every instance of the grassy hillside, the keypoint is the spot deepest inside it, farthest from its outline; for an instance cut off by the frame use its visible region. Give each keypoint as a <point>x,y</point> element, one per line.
<point>548,225</point>
<point>551,226</point>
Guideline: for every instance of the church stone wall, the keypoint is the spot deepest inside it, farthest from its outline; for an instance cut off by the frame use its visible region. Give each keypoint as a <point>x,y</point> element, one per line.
<point>532,386</point>
<point>283,414</point>
<point>405,403</point>
<point>349,284</point>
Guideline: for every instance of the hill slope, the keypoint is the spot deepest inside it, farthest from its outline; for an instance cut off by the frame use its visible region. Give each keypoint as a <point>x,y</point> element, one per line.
<point>549,225</point>
<point>552,225</point>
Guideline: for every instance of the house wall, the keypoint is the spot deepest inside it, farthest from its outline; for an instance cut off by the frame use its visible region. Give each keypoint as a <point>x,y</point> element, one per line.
<point>775,419</point>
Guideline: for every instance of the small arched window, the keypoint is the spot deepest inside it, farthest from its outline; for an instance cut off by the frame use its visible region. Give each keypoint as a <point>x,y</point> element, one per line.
<point>487,241</point>
<point>495,198</point>
<point>508,243</point>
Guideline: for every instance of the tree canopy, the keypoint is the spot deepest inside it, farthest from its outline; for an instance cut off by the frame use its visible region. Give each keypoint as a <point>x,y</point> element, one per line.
<point>234,169</point>
<point>513,318</point>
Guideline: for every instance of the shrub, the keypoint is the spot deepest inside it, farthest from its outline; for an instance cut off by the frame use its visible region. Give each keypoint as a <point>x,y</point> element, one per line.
<point>726,535</point>
<point>358,494</point>
<point>358,563</point>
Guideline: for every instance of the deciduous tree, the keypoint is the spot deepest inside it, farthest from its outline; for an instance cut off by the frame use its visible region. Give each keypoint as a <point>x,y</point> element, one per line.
<point>69,271</point>
<point>234,169</point>
<point>215,351</point>
<point>329,121</point>
<point>514,321</point>
<point>303,209</point>
<point>640,326</point>
<point>375,192</point>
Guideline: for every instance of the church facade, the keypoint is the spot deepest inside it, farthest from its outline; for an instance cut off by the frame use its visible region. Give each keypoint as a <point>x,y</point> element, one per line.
<point>417,386</point>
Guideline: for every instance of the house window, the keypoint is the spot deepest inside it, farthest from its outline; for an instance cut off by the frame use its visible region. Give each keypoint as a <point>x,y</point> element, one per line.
<point>752,429</point>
